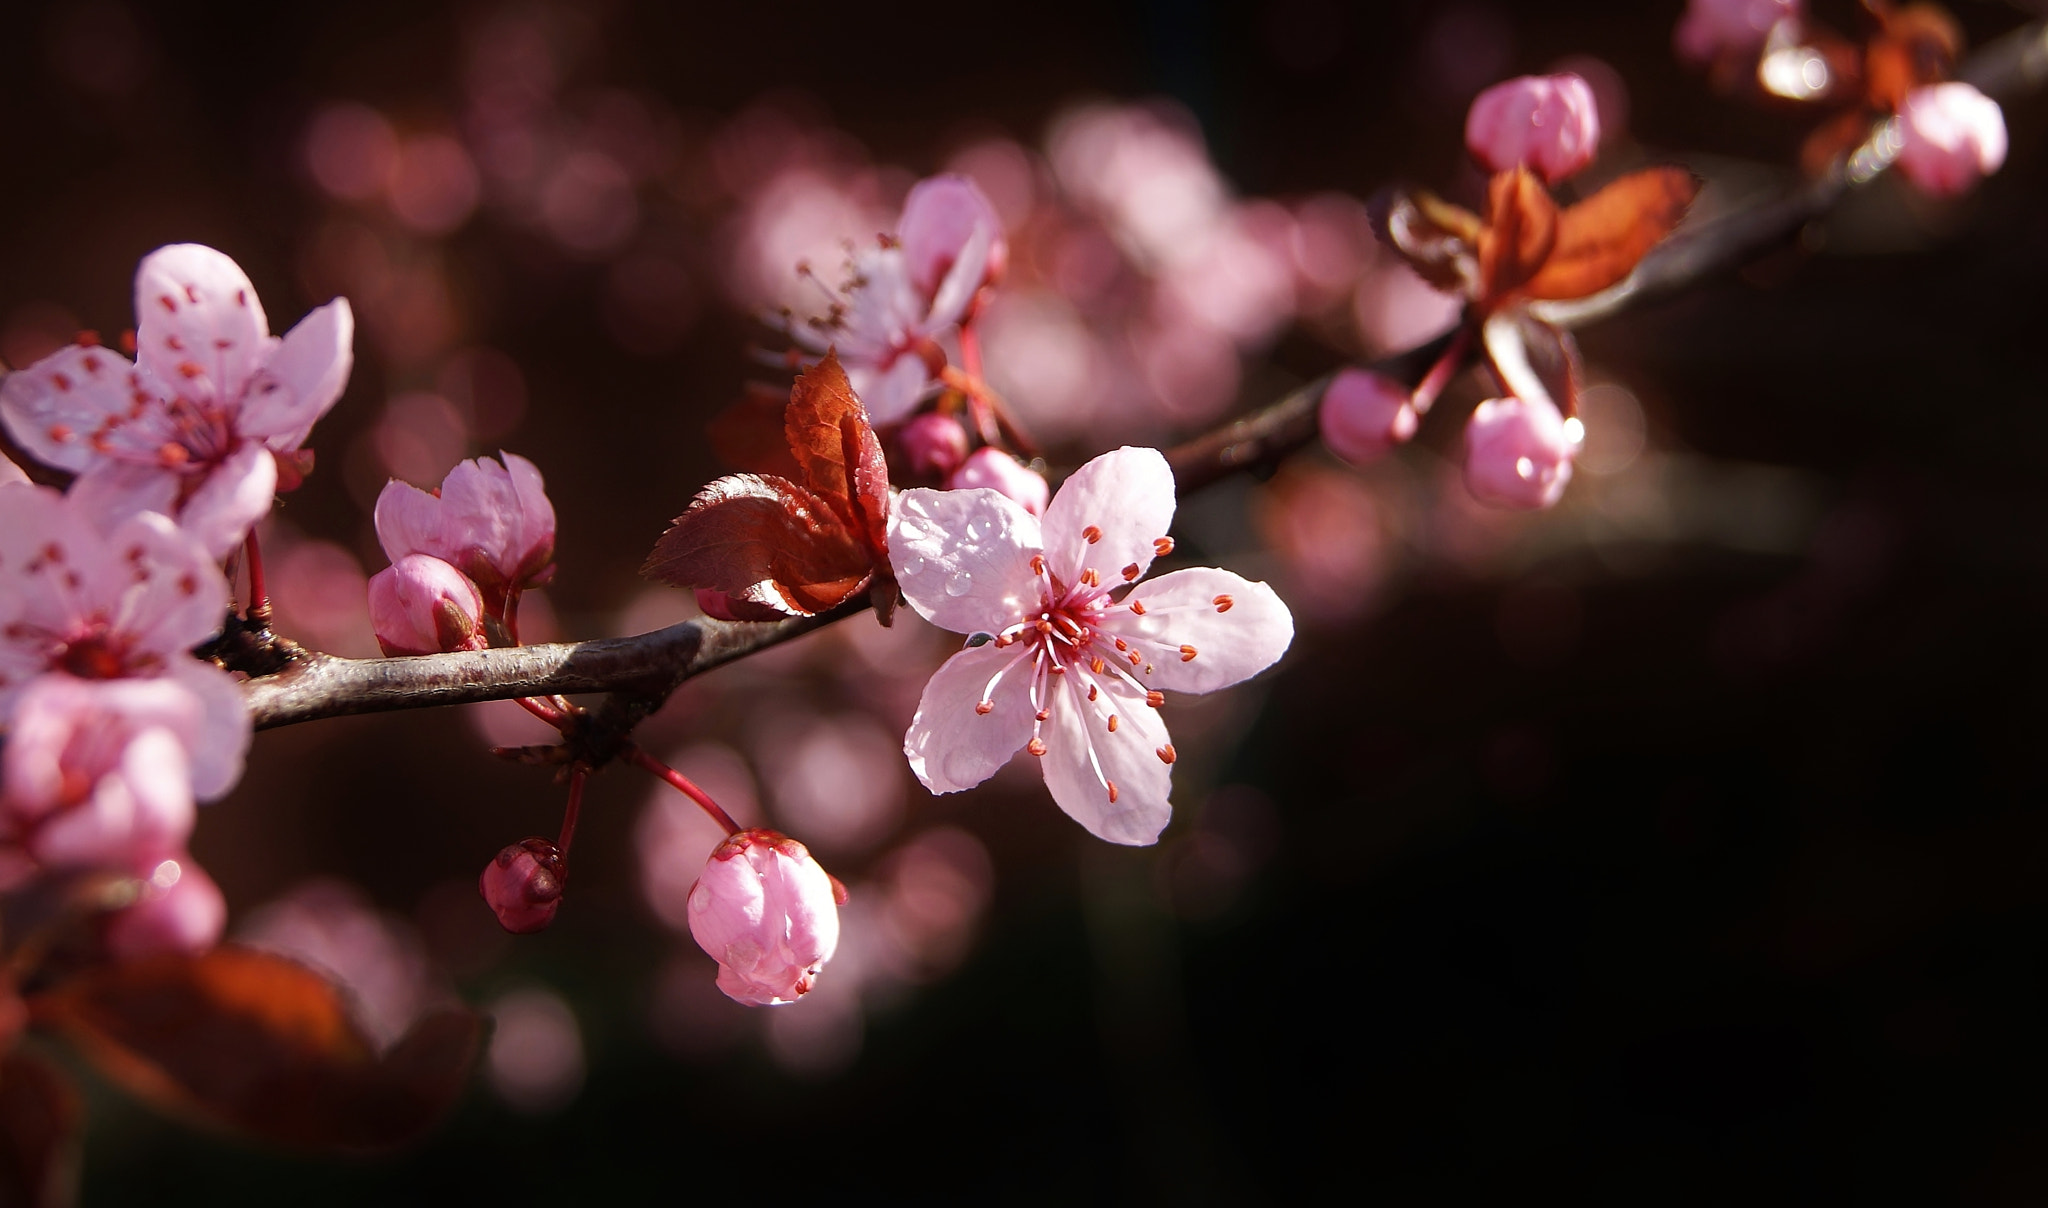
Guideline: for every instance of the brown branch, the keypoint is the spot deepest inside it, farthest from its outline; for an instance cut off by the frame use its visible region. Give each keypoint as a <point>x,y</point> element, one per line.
<point>640,672</point>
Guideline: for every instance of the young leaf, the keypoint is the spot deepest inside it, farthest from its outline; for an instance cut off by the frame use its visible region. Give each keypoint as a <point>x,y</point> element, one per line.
<point>261,1045</point>
<point>1433,236</point>
<point>765,540</point>
<point>1602,239</point>
<point>748,434</point>
<point>39,1118</point>
<point>1520,231</point>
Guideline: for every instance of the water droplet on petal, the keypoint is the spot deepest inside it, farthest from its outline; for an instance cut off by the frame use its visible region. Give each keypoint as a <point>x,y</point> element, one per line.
<point>957,585</point>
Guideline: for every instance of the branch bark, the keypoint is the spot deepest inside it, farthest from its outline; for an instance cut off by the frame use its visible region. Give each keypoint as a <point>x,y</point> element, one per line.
<point>640,672</point>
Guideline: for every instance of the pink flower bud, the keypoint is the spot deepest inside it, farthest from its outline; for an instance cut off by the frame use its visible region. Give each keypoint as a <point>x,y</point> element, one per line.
<point>1364,414</point>
<point>1550,123</point>
<point>181,910</point>
<point>1000,472</point>
<point>1950,136</point>
<point>523,885</point>
<point>933,445</point>
<point>768,914</point>
<point>1713,28</point>
<point>491,520</point>
<point>421,605</point>
<point>1518,452</point>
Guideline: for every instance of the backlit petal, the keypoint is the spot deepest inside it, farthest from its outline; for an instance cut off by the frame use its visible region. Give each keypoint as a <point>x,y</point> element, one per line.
<point>1125,496</point>
<point>1236,628</point>
<point>1083,757</point>
<point>963,558</point>
<point>953,747</point>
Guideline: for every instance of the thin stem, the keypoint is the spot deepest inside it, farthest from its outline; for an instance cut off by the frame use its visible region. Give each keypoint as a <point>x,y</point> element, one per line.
<point>681,783</point>
<point>543,710</point>
<point>259,595</point>
<point>1440,374</point>
<point>577,777</point>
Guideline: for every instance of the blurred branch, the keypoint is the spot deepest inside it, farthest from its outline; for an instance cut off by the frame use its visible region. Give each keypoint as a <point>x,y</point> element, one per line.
<point>640,672</point>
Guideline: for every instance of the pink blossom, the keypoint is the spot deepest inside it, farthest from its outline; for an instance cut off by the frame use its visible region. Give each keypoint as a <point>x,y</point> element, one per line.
<point>998,471</point>
<point>1711,29</point>
<point>902,293</point>
<point>491,521</point>
<point>125,604</point>
<point>181,910</point>
<point>421,605</point>
<point>1950,136</point>
<point>1551,123</point>
<point>933,445</point>
<point>197,426</point>
<point>1518,452</point>
<point>10,474</point>
<point>768,914</point>
<point>1364,414</point>
<point>1069,661</point>
<point>523,885</point>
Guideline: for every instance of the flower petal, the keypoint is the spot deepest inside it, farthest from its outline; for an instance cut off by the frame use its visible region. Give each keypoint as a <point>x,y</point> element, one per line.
<point>112,491</point>
<point>197,318</point>
<point>234,496</point>
<point>890,391</point>
<point>1125,496</point>
<point>218,749</point>
<point>963,558</point>
<point>1084,757</point>
<point>1235,627</point>
<point>166,593</point>
<point>305,376</point>
<point>54,407</point>
<point>408,521</point>
<point>950,745</point>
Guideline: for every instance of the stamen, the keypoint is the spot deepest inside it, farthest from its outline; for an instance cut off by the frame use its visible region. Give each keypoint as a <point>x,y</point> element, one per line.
<point>1038,564</point>
<point>1136,658</point>
<point>1223,603</point>
<point>1163,546</point>
<point>61,382</point>
<point>1112,790</point>
<point>60,432</point>
<point>1090,579</point>
<point>1138,606</point>
<point>1036,746</point>
<point>1043,715</point>
<point>1131,573</point>
<point>1167,754</point>
<point>1092,693</point>
<point>1112,723</point>
<point>1155,698</point>
<point>984,707</point>
<point>1187,654</point>
<point>1097,665</point>
<point>1092,534</point>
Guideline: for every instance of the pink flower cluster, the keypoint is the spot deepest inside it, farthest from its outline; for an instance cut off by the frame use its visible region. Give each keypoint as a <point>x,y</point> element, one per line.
<point>459,555</point>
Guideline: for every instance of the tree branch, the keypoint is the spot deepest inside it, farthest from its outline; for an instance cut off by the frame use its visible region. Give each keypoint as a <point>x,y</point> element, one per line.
<point>640,672</point>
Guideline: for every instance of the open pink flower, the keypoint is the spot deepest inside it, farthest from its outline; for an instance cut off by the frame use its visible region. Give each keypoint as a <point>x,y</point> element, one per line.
<point>901,293</point>
<point>491,521</point>
<point>768,914</point>
<point>1551,123</point>
<point>196,426</point>
<point>1071,661</point>
<point>125,604</point>
<point>1950,137</point>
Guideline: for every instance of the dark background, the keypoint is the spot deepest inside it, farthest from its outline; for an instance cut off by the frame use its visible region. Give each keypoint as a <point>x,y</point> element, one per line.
<point>1737,887</point>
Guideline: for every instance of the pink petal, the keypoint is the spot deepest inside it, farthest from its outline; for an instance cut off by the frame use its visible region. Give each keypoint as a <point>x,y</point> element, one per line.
<point>963,558</point>
<point>305,376</point>
<point>536,513</point>
<point>890,392</point>
<point>948,231</point>
<point>183,911</point>
<point>1127,757</point>
<point>63,727</point>
<point>221,742</point>
<point>234,496</point>
<point>165,592</point>
<point>199,328</point>
<point>139,811</point>
<point>408,520</point>
<point>1124,497</point>
<point>1236,628</point>
<point>950,745</point>
<point>112,491</point>
<point>53,407</point>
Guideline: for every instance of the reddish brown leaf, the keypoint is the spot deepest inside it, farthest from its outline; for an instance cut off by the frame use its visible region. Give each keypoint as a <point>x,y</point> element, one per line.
<point>1521,229</point>
<point>825,425</point>
<point>261,1045</point>
<point>1915,45</point>
<point>1832,139</point>
<point>748,435</point>
<point>765,540</point>
<point>1602,239</point>
<point>39,1118</point>
<point>1435,237</point>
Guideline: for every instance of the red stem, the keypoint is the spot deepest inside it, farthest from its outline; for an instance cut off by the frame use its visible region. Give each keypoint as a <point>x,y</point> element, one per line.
<point>681,783</point>
<point>970,351</point>
<point>576,779</point>
<point>543,710</point>
<point>1439,374</point>
<point>259,596</point>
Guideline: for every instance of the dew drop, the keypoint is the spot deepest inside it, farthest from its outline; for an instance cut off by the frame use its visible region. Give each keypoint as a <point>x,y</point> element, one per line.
<point>957,585</point>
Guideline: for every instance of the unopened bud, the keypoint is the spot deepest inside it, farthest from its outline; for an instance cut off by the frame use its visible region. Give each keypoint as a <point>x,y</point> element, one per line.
<point>1950,137</point>
<point>179,909</point>
<point>933,445</point>
<point>523,885</point>
<point>1550,123</point>
<point>768,914</point>
<point>1364,414</point>
<point>422,605</point>
<point>1518,452</point>
<point>997,470</point>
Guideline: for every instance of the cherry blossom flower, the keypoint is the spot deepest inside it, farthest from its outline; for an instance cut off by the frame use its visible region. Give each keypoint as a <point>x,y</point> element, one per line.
<point>127,604</point>
<point>1551,123</point>
<point>901,294</point>
<point>491,521</point>
<point>1069,660</point>
<point>998,471</point>
<point>1711,29</point>
<point>1518,452</point>
<point>421,605</point>
<point>768,914</point>
<point>1950,136</point>
<point>209,417</point>
<point>1364,414</point>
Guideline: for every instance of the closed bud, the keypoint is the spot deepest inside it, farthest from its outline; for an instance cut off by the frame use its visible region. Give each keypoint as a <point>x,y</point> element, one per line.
<point>933,445</point>
<point>768,914</point>
<point>1950,137</point>
<point>1364,414</point>
<point>180,909</point>
<point>523,885</point>
<point>1000,472</point>
<point>1550,123</point>
<point>422,605</point>
<point>1518,452</point>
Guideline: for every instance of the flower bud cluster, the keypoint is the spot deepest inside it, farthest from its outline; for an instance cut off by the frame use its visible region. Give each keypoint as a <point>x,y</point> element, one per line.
<point>460,555</point>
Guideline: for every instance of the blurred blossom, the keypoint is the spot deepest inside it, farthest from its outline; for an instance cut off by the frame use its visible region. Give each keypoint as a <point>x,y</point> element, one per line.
<point>838,782</point>
<point>1610,93</point>
<point>1325,527</point>
<point>1711,29</point>
<point>1240,280</point>
<point>1364,414</point>
<point>1396,310</point>
<point>1007,174</point>
<point>674,836</point>
<point>1192,372</point>
<point>589,205</point>
<point>1465,47</point>
<point>1145,170</point>
<point>935,888</point>
<point>420,436</point>
<point>318,590</point>
<point>801,216</point>
<point>332,927</point>
<point>433,185</point>
<point>350,151</point>
<point>535,1061</point>
<point>181,910</point>
<point>1332,244</point>
<point>1949,137</point>
<point>1042,356</point>
<point>487,387</point>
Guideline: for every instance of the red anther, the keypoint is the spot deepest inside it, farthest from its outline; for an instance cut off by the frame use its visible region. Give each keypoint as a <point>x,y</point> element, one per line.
<point>1121,645</point>
<point>1167,754</point>
<point>1097,664</point>
<point>1003,639</point>
<point>1036,746</point>
<point>99,441</point>
<point>192,293</point>
<point>1043,715</point>
<point>188,585</point>
<point>1223,603</point>
<point>1038,564</point>
<point>91,363</point>
<point>1044,626</point>
<point>223,345</point>
<point>1092,534</point>
<point>1112,791</point>
<point>60,381</point>
<point>173,343</point>
<point>88,339</point>
<point>1090,578</point>
<point>189,370</point>
<point>1156,699</point>
<point>128,341</point>
<point>1187,654</point>
<point>1163,546</point>
<point>171,455</point>
<point>984,707</point>
<point>1136,658</point>
<point>1057,669</point>
<point>170,304</point>
<point>241,297</point>
<point>60,432</point>
<point>1138,606</point>
<point>1092,693</point>
<point>1112,723</point>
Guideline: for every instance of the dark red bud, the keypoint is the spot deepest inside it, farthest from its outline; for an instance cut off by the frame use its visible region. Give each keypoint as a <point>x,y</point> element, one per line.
<point>523,885</point>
